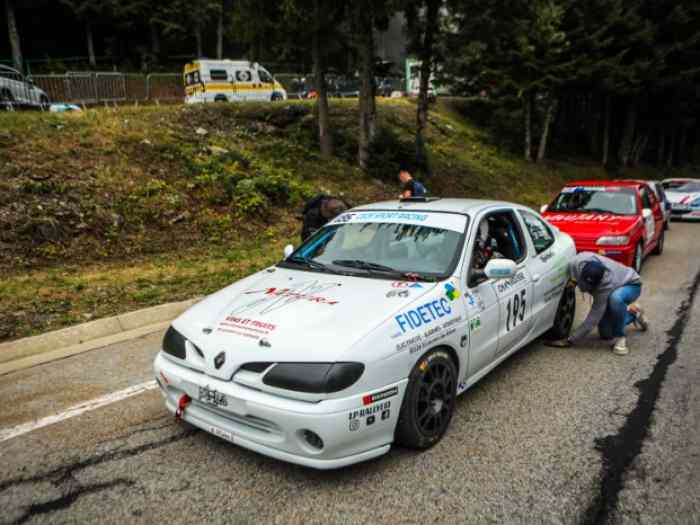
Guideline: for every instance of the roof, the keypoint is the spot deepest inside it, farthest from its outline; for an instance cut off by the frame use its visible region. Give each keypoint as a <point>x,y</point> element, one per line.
<point>606,183</point>
<point>468,206</point>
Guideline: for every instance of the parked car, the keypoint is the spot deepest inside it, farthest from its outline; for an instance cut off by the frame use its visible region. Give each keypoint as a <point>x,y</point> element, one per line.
<point>658,188</point>
<point>364,335</point>
<point>17,91</point>
<point>622,220</point>
<point>684,196</point>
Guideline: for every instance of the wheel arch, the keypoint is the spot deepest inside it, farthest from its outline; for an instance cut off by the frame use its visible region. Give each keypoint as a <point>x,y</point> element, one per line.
<point>454,356</point>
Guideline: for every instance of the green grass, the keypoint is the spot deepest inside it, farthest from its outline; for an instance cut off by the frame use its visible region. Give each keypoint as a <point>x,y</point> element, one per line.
<point>106,210</point>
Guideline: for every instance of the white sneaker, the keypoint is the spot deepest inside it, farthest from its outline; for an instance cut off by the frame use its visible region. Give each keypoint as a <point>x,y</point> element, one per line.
<point>620,346</point>
<point>640,320</point>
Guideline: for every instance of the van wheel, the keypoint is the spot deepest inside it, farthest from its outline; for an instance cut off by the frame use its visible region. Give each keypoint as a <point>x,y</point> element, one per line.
<point>220,98</point>
<point>429,401</point>
<point>564,318</point>
<point>275,97</point>
<point>44,103</point>
<point>6,99</point>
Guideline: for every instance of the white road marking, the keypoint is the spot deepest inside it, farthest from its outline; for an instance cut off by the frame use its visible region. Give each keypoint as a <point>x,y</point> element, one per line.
<point>76,410</point>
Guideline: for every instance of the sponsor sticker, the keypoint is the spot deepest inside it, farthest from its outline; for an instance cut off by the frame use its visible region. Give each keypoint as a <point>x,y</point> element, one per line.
<point>581,217</point>
<point>398,293</point>
<point>475,324</point>
<point>379,396</point>
<point>547,256</point>
<point>428,338</point>
<point>246,326</point>
<point>423,315</point>
<point>504,286</point>
<point>451,292</point>
<point>266,300</point>
<point>445,221</point>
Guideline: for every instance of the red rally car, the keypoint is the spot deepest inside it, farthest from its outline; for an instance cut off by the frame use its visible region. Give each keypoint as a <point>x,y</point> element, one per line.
<point>622,220</point>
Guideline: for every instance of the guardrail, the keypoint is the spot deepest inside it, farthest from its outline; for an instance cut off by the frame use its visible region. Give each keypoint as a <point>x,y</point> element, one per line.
<point>87,88</point>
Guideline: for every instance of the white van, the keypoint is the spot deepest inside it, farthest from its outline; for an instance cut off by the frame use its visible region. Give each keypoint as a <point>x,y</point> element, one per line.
<point>229,81</point>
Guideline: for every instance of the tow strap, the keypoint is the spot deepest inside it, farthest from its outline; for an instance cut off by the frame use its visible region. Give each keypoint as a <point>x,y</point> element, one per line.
<point>181,405</point>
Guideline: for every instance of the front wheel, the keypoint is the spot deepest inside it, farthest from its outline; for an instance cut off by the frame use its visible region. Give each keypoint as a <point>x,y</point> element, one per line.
<point>429,401</point>
<point>638,258</point>
<point>564,318</point>
<point>44,103</point>
<point>276,97</point>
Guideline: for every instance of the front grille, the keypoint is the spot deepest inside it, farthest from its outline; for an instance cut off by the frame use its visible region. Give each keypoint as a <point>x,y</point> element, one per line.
<point>256,423</point>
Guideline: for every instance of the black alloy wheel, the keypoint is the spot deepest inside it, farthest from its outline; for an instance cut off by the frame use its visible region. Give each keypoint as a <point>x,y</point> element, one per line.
<point>429,401</point>
<point>564,318</point>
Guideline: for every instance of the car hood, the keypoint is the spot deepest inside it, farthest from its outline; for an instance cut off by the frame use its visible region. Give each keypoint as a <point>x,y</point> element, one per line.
<point>282,315</point>
<point>681,198</point>
<point>592,225</point>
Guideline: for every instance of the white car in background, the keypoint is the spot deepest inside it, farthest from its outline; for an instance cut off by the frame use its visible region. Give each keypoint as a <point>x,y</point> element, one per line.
<point>18,91</point>
<point>364,335</point>
<point>684,196</point>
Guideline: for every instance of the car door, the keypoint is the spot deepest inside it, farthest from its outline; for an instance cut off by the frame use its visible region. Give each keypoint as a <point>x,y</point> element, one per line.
<point>648,216</point>
<point>515,295</point>
<point>547,270</point>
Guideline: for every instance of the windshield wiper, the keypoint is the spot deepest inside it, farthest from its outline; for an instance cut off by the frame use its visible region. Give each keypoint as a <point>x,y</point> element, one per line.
<point>366,265</point>
<point>311,263</point>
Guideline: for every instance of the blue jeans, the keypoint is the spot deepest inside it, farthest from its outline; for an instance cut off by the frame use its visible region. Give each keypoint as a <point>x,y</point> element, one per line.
<point>616,316</point>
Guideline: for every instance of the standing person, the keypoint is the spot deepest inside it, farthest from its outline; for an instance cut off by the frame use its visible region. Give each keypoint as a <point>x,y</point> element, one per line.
<point>318,211</point>
<point>614,288</point>
<point>409,186</point>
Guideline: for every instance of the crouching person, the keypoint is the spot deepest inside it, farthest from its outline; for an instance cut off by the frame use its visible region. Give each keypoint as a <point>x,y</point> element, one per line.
<point>614,288</point>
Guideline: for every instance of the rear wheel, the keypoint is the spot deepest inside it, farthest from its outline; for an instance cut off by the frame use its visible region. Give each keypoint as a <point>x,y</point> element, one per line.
<point>6,99</point>
<point>659,248</point>
<point>638,258</point>
<point>429,401</point>
<point>275,97</point>
<point>44,103</point>
<point>564,319</point>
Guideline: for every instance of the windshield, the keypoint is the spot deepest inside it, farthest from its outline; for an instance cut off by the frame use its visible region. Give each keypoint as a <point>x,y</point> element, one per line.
<point>391,250</point>
<point>688,187</point>
<point>596,199</point>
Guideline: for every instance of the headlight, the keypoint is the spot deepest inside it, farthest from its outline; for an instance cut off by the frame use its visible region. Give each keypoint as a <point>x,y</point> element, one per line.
<point>613,240</point>
<point>314,378</point>
<point>174,343</point>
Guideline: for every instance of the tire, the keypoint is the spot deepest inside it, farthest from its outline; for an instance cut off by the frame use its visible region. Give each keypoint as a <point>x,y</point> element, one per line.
<point>44,103</point>
<point>6,99</point>
<point>659,248</point>
<point>564,318</point>
<point>429,401</point>
<point>220,98</point>
<point>638,258</point>
<point>667,224</point>
<point>275,97</point>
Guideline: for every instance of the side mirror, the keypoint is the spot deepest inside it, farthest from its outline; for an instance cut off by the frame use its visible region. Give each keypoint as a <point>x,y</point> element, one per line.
<point>543,208</point>
<point>288,250</point>
<point>646,213</point>
<point>500,269</point>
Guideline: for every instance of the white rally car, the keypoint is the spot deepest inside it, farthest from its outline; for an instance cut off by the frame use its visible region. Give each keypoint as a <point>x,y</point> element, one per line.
<point>684,196</point>
<point>364,335</point>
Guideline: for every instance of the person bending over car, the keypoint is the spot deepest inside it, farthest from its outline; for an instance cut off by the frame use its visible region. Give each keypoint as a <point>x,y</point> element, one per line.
<point>614,288</point>
<point>318,211</point>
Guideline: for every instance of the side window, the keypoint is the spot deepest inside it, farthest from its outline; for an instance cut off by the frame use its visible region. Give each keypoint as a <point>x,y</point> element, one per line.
<point>265,76</point>
<point>540,233</point>
<point>498,236</point>
<point>218,74</point>
<point>243,75</point>
<point>646,201</point>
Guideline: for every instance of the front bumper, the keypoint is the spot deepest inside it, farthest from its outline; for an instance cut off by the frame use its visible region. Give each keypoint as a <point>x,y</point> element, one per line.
<point>622,254</point>
<point>692,214</point>
<point>274,426</point>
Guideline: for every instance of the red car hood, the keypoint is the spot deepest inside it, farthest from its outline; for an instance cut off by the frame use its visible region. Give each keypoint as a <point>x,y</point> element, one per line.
<point>591,225</point>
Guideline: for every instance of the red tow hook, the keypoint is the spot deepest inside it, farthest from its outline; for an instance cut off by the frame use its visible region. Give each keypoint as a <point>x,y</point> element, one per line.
<point>181,405</point>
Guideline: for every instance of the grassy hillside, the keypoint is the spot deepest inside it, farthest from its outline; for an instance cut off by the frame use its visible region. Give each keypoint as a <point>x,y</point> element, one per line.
<point>110,210</point>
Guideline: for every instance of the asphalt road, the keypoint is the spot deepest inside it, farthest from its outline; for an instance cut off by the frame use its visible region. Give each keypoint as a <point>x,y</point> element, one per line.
<point>552,436</point>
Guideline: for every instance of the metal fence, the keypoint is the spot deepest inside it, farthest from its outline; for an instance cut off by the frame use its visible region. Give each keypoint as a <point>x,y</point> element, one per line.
<point>87,88</point>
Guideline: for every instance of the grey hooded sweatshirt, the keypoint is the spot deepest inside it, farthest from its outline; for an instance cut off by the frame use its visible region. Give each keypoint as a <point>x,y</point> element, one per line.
<point>616,276</point>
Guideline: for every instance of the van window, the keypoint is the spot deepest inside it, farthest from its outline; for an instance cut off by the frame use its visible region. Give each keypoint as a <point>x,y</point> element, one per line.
<point>218,74</point>
<point>192,78</point>
<point>243,75</point>
<point>265,76</point>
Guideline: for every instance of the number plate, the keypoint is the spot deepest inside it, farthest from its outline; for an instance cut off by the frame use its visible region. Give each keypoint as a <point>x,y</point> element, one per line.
<point>212,397</point>
<point>680,207</point>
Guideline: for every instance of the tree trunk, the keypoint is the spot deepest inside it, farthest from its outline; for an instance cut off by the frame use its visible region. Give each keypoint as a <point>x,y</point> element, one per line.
<point>155,40</point>
<point>606,129</point>
<point>551,108</point>
<point>426,51</point>
<point>527,111</point>
<point>368,114</point>
<point>14,36</point>
<point>90,44</point>
<point>623,154</point>
<point>220,32</point>
<point>325,138</point>
<point>671,148</point>
<point>662,146</point>
<point>198,39</point>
